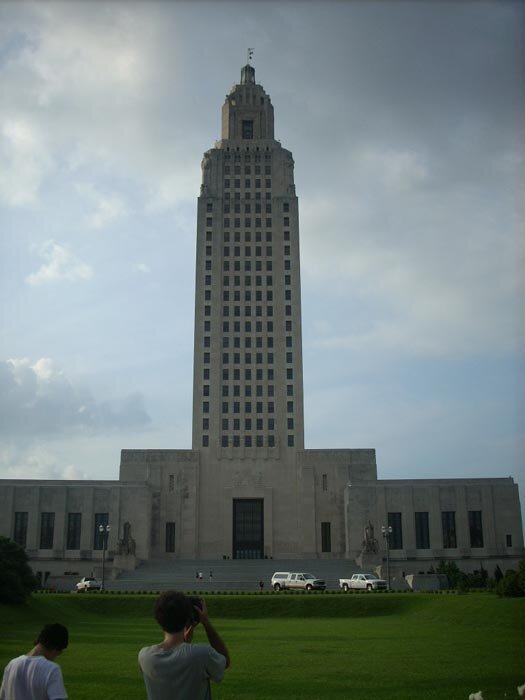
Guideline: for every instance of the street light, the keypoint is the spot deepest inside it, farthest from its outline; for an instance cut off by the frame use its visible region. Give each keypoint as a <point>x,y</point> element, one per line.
<point>104,531</point>
<point>387,531</point>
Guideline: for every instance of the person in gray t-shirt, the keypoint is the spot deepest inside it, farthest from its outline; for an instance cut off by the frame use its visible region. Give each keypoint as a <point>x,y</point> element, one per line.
<point>176,669</point>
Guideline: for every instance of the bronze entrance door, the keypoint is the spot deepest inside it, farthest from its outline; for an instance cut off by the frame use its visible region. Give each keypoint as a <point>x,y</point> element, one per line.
<point>248,528</point>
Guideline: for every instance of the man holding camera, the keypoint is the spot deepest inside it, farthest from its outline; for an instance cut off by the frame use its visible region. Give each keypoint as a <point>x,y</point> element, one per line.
<point>176,668</point>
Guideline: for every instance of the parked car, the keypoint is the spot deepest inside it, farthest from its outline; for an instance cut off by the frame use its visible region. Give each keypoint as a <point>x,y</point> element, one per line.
<point>286,580</point>
<point>88,583</point>
<point>367,582</point>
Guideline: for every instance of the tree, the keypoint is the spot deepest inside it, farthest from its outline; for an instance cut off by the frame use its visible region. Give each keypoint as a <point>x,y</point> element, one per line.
<point>452,572</point>
<point>16,578</point>
<point>498,574</point>
<point>512,585</point>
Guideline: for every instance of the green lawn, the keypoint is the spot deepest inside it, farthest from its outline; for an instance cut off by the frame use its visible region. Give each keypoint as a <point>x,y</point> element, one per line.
<point>351,647</point>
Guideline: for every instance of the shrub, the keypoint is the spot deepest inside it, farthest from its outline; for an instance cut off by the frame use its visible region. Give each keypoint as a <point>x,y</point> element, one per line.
<point>16,578</point>
<point>512,585</point>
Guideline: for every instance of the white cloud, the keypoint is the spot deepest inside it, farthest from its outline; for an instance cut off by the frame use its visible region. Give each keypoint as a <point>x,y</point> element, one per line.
<point>142,267</point>
<point>76,52</point>
<point>39,399</point>
<point>61,265</point>
<point>36,463</point>
<point>25,161</point>
<point>175,188</point>
<point>107,207</point>
<point>92,83</point>
<point>399,171</point>
<point>436,274</point>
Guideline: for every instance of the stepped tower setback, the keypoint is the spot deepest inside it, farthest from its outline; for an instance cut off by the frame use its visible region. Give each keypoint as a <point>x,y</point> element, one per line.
<point>248,388</point>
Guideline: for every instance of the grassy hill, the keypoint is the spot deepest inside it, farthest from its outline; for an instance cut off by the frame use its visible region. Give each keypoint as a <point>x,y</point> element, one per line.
<point>399,646</point>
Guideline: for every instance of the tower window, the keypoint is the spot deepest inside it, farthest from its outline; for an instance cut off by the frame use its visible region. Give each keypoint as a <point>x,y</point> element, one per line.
<point>476,528</point>
<point>247,128</point>
<point>396,538</point>
<point>326,537</point>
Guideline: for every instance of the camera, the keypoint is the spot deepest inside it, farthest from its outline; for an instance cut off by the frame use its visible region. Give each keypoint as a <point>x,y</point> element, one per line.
<point>195,601</point>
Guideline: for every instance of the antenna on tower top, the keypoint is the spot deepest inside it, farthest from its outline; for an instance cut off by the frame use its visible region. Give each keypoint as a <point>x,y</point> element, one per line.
<point>250,54</point>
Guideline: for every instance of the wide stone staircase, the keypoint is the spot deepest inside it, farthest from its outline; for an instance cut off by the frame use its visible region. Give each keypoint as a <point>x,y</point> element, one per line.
<point>226,575</point>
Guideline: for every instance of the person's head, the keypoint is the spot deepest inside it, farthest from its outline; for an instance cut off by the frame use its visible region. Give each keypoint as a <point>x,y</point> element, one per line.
<point>53,637</point>
<point>173,611</point>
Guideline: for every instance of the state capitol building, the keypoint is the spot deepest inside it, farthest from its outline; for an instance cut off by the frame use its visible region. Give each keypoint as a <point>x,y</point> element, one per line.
<point>248,488</point>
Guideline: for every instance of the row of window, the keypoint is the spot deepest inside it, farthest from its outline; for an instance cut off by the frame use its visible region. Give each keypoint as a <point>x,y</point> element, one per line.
<point>246,196</point>
<point>235,424</point>
<point>248,441</point>
<point>248,326</point>
<point>248,221</point>
<point>236,279</point>
<point>257,295</point>
<point>236,267</point>
<point>227,208</point>
<point>248,374</point>
<point>247,169</point>
<point>248,358</point>
<point>248,149</point>
<point>236,325</point>
<point>448,528</point>
<point>47,530</point>
<point>228,251</point>
<point>247,183</point>
<point>236,236</point>
<point>249,407</point>
<point>235,251</point>
<point>247,311</point>
<point>259,389</point>
<point>259,341</point>
<point>448,520</point>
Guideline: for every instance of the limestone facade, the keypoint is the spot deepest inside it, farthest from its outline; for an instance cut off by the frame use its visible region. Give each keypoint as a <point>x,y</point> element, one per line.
<point>248,488</point>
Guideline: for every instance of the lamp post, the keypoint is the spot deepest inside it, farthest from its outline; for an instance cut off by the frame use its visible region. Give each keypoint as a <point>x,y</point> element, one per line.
<point>104,531</point>
<point>387,531</point>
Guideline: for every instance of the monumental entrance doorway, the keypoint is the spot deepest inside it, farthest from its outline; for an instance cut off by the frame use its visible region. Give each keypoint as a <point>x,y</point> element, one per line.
<point>248,528</point>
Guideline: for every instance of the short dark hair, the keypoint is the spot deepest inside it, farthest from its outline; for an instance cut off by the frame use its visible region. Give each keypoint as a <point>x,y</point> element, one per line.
<point>53,636</point>
<point>173,611</point>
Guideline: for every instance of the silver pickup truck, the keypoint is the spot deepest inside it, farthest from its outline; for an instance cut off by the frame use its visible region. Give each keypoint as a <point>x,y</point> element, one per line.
<point>285,580</point>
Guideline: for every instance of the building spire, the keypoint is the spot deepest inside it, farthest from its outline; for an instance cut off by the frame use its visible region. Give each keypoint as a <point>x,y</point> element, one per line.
<point>248,72</point>
<point>247,75</point>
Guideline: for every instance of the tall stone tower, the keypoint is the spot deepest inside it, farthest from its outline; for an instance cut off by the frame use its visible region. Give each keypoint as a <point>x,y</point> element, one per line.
<point>248,388</point>
<point>248,488</point>
<point>248,423</point>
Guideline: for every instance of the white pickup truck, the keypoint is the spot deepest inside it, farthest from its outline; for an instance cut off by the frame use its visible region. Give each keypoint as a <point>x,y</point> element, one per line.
<point>285,580</point>
<point>88,583</point>
<point>366,582</point>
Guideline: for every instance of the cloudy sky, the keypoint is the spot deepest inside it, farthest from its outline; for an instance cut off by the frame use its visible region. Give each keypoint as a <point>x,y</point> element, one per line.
<point>406,121</point>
